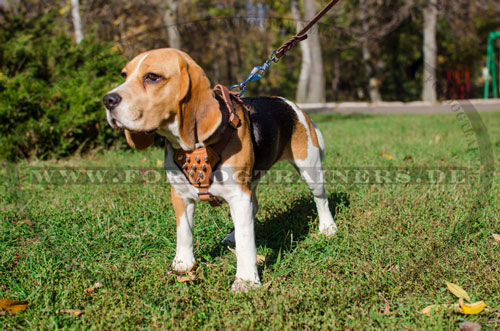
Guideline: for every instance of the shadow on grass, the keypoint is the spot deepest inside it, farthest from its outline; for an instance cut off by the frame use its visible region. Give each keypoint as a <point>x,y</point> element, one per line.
<point>281,231</point>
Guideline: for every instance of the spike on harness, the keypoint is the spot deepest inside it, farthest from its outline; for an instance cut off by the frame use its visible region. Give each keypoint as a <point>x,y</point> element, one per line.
<point>197,165</point>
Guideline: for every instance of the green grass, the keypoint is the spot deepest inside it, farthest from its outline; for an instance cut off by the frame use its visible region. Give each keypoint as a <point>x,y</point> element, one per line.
<point>397,243</point>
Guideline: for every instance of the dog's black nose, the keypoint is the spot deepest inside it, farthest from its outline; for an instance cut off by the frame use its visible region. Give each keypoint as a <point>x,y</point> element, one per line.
<point>111,100</point>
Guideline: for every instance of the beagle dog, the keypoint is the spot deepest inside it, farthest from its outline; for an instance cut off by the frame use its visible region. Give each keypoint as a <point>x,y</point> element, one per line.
<point>166,92</point>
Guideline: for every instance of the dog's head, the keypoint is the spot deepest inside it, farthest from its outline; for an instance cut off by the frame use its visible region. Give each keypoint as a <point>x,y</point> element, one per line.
<point>163,89</point>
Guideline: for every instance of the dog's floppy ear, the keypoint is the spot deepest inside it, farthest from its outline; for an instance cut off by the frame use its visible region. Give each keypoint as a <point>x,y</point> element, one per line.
<point>139,140</point>
<point>199,115</point>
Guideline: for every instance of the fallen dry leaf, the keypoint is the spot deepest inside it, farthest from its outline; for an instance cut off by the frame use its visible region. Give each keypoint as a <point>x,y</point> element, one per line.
<point>190,276</point>
<point>460,307</point>
<point>387,309</point>
<point>436,309</point>
<point>496,236</point>
<point>76,312</point>
<point>13,306</point>
<point>387,306</point>
<point>26,221</point>
<point>471,308</point>
<point>91,289</point>
<point>458,291</point>
<point>387,155</point>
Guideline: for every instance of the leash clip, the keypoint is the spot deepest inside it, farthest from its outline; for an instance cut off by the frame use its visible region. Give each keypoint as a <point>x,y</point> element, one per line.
<point>255,74</point>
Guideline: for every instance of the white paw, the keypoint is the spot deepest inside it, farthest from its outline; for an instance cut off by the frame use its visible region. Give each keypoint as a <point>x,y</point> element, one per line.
<point>182,266</point>
<point>328,230</point>
<point>243,286</point>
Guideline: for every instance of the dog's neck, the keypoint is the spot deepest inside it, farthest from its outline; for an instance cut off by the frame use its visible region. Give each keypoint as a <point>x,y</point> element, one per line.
<point>171,133</point>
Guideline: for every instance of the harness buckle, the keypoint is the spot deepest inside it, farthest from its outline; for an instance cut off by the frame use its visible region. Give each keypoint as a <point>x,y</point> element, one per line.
<point>234,120</point>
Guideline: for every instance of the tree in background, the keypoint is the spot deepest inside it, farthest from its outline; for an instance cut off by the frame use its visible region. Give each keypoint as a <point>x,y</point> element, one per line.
<point>366,26</point>
<point>51,87</point>
<point>170,17</point>
<point>373,82</point>
<point>311,83</point>
<point>430,13</point>
<point>370,54</point>
<point>77,21</point>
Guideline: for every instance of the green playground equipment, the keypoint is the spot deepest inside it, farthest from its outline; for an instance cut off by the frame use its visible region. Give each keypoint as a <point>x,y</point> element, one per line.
<point>490,64</point>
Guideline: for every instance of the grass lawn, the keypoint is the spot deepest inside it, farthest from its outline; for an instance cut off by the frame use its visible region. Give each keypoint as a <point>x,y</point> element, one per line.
<point>396,246</point>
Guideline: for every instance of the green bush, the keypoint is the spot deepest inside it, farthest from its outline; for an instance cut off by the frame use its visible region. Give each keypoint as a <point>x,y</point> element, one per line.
<point>51,89</point>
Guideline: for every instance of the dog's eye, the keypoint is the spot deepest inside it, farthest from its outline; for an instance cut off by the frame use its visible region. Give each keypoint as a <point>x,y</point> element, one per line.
<point>124,74</point>
<point>152,78</point>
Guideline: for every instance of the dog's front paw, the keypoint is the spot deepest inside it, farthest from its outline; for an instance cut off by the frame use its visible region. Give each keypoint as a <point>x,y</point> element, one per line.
<point>182,266</point>
<point>328,230</point>
<point>243,286</point>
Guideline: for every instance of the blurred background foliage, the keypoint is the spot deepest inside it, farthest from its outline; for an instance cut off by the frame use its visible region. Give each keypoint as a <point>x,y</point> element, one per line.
<point>51,87</point>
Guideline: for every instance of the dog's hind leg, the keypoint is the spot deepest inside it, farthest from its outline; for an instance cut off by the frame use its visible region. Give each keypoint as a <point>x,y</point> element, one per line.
<point>311,172</point>
<point>306,153</point>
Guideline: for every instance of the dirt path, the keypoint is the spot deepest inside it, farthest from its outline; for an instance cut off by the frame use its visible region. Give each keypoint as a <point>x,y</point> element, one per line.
<point>418,107</point>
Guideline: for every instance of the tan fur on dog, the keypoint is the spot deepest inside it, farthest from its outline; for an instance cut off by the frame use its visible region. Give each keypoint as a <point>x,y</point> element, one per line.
<point>183,94</point>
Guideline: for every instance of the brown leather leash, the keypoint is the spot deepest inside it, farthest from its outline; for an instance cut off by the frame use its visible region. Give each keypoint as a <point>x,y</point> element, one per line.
<point>301,35</point>
<point>258,71</point>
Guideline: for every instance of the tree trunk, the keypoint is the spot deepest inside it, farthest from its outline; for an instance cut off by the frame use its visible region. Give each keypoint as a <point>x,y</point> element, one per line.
<point>335,79</point>
<point>311,84</point>
<point>77,21</point>
<point>430,51</point>
<point>170,21</point>
<point>4,4</point>
<point>316,86</point>
<point>373,82</point>
<point>305,66</point>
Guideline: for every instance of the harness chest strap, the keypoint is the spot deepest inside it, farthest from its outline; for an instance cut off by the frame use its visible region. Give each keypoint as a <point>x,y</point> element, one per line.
<point>197,165</point>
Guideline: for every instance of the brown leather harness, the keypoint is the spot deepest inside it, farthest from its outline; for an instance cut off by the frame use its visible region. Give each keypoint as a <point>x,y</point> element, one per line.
<point>198,164</point>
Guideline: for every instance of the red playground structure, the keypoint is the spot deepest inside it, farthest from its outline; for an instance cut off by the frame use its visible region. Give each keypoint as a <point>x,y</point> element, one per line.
<point>458,84</point>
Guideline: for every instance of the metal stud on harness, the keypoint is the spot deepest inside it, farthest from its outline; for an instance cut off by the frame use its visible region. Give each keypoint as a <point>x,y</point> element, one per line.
<point>197,165</point>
